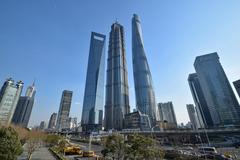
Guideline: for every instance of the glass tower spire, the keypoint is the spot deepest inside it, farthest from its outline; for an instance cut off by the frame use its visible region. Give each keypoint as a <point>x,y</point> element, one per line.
<point>145,97</point>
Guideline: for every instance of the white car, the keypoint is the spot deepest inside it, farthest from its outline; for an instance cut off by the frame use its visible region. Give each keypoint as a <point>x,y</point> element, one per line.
<point>204,150</point>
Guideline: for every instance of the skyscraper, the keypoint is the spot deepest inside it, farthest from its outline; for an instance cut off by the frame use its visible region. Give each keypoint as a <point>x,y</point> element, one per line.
<point>117,97</point>
<point>166,113</point>
<point>145,96</point>
<point>193,116</point>
<point>24,107</point>
<point>9,96</point>
<point>64,109</point>
<point>52,121</point>
<point>92,113</point>
<point>219,96</point>
<point>237,86</point>
<point>199,100</point>
<point>42,125</point>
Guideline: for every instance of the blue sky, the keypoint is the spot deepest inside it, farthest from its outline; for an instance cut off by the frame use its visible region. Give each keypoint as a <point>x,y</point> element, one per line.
<point>48,40</point>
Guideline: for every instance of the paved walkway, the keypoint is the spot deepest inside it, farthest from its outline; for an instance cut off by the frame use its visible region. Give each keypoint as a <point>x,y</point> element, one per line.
<point>40,154</point>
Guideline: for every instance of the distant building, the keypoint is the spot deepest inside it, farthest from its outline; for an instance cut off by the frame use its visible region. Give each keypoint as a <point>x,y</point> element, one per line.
<point>73,123</point>
<point>117,95</point>
<point>237,86</point>
<point>193,117</point>
<point>137,120</point>
<point>9,96</point>
<point>199,100</point>
<point>52,121</point>
<point>64,109</point>
<point>219,96</point>
<point>42,126</point>
<point>166,113</point>
<point>145,96</point>
<point>164,125</point>
<point>92,113</point>
<point>24,107</point>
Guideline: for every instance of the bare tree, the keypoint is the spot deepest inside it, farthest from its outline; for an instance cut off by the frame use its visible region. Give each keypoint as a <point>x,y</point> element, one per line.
<point>33,142</point>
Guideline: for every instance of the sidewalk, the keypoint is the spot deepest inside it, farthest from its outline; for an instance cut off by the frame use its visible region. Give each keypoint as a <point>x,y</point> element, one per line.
<point>40,154</point>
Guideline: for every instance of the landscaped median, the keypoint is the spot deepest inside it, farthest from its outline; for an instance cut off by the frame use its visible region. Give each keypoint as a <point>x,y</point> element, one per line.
<point>56,152</point>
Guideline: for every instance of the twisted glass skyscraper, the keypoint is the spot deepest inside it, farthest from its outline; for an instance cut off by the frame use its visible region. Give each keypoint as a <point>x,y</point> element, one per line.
<point>92,113</point>
<point>145,97</point>
<point>117,99</point>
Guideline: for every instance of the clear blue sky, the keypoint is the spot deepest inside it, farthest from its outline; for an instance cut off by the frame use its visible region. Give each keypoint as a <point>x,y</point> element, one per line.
<point>49,40</point>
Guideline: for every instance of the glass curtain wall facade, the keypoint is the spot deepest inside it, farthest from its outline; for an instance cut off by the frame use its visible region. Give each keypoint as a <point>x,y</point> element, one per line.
<point>64,109</point>
<point>220,98</point>
<point>166,113</point>
<point>117,96</point>
<point>144,93</point>
<point>9,96</point>
<point>52,121</point>
<point>193,116</point>
<point>92,113</point>
<point>237,86</point>
<point>24,107</point>
<point>199,99</point>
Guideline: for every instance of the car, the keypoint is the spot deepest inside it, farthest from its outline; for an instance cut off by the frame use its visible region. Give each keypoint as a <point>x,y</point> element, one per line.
<point>206,150</point>
<point>236,144</point>
<point>73,150</point>
<point>215,156</point>
<point>88,154</point>
<point>77,158</point>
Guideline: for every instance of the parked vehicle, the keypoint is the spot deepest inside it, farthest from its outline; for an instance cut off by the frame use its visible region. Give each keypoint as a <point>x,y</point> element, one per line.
<point>206,150</point>
<point>73,150</point>
<point>88,154</point>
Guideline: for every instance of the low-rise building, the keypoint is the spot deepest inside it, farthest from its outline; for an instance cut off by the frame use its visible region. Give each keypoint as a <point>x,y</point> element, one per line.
<point>137,120</point>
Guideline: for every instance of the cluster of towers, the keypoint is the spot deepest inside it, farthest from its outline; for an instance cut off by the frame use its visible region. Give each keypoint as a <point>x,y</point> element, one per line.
<point>216,103</point>
<point>15,108</point>
<point>117,90</point>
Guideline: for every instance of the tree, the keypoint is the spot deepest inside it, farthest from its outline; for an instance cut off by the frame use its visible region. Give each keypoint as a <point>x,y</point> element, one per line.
<point>140,147</point>
<point>114,147</point>
<point>61,145</point>
<point>52,139</point>
<point>136,147</point>
<point>22,133</point>
<point>33,142</point>
<point>10,145</point>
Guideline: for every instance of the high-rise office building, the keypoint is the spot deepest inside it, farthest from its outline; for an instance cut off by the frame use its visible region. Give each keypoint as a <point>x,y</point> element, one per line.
<point>237,86</point>
<point>220,98</point>
<point>166,113</point>
<point>199,100</point>
<point>200,117</point>
<point>52,121</point>
<point>192,113</point>
<point>117,96</point>
<point>24,107</point>
<point>9,96</point>
<point>145,96</point>
<point>92,113</point>
<point>42,125</point>
<point>64,109</point>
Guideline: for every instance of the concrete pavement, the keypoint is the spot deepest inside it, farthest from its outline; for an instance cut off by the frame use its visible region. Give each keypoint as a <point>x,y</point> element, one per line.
<point>40,154</point>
